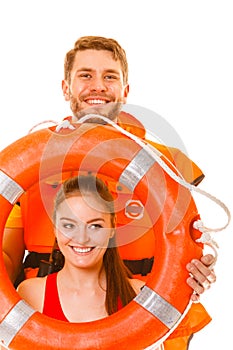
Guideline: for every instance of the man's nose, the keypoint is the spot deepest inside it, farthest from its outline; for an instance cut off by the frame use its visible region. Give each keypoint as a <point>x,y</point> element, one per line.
<point>98,84</point>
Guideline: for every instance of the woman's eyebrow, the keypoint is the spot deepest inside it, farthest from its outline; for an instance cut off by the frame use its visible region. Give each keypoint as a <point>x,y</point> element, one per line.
<point>88,222</point>
<point>95,219</point>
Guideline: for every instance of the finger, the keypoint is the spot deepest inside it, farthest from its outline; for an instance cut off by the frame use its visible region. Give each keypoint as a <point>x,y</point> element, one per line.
<point>211,277</point>
<point>195,297</point>
<point>209,260</point>
<point>202,278</point>
<point>206,284</point>
<point>197,287</point>
<point>199,270</point>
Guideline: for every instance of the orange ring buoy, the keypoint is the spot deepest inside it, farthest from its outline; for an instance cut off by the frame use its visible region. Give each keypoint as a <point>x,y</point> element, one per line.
<point>159,307</point>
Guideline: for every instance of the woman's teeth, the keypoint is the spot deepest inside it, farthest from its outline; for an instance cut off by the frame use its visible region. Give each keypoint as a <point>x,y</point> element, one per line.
<point>82,250</point>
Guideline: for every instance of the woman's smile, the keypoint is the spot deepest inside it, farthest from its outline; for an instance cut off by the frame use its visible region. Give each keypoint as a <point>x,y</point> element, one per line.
<point>82,250</point>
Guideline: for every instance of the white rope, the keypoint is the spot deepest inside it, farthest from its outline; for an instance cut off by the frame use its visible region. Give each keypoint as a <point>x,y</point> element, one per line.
<point>207,240</point>
<point>42,123</point>
<point>157,155</point>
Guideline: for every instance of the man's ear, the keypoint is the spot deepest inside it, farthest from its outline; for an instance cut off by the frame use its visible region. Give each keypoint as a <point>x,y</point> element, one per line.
<point>65,89</point>
<point>126,91</point>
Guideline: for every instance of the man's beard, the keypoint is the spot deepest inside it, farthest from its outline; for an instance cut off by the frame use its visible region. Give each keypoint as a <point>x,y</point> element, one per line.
<point>109,110</point>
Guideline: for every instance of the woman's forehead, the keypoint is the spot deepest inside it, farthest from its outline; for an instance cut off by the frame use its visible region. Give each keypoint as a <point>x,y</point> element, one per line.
<point>88,204</point>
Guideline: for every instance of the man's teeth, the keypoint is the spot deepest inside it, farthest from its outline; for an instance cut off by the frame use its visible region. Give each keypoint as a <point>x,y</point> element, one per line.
<point>82,250</point>
<point>96,102</point>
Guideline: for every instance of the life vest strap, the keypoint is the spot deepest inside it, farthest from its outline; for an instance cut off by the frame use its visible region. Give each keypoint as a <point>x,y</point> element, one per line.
<point>140,267</point>
<point>137,267</point>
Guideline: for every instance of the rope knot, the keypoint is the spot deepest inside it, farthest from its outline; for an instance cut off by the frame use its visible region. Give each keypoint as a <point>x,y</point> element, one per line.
<point>65,124</point>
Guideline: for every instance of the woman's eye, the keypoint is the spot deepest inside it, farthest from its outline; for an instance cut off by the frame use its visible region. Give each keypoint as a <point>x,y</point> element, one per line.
<point>69,226</point>
<point>94,227</point>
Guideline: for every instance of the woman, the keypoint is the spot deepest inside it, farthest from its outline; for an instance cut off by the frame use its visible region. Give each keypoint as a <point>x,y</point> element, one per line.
<point>94,282</point>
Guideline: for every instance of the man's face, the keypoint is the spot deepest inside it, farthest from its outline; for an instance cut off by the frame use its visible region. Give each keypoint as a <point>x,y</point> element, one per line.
<point>96,85</point>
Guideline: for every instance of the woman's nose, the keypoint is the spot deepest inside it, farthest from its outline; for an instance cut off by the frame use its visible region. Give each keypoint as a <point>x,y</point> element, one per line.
<point>81,236</point>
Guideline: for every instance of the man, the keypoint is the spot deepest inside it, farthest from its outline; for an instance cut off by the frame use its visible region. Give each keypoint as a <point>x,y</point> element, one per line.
<point>96,81</point>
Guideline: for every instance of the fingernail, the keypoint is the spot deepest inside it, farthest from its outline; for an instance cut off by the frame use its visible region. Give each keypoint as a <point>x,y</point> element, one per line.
<point>194,261</point>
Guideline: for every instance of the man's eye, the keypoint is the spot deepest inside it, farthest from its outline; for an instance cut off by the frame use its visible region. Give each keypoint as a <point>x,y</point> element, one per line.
<point>85,75</point>
<point>110,77</point>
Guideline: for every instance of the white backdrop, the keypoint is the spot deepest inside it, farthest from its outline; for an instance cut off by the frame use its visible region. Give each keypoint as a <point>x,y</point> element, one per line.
<point>180,57</point>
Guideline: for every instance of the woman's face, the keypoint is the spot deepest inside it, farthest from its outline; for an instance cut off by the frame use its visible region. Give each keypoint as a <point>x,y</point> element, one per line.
<point>83,230</point>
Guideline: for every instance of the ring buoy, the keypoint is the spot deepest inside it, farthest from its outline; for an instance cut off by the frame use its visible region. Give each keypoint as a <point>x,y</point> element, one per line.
<point>159,307</point>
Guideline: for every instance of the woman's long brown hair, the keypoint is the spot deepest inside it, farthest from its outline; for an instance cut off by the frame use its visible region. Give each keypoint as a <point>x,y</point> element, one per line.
<point>117,274</point>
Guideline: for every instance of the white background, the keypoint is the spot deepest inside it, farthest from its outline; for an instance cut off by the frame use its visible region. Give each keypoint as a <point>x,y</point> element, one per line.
<point>181,66</point>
